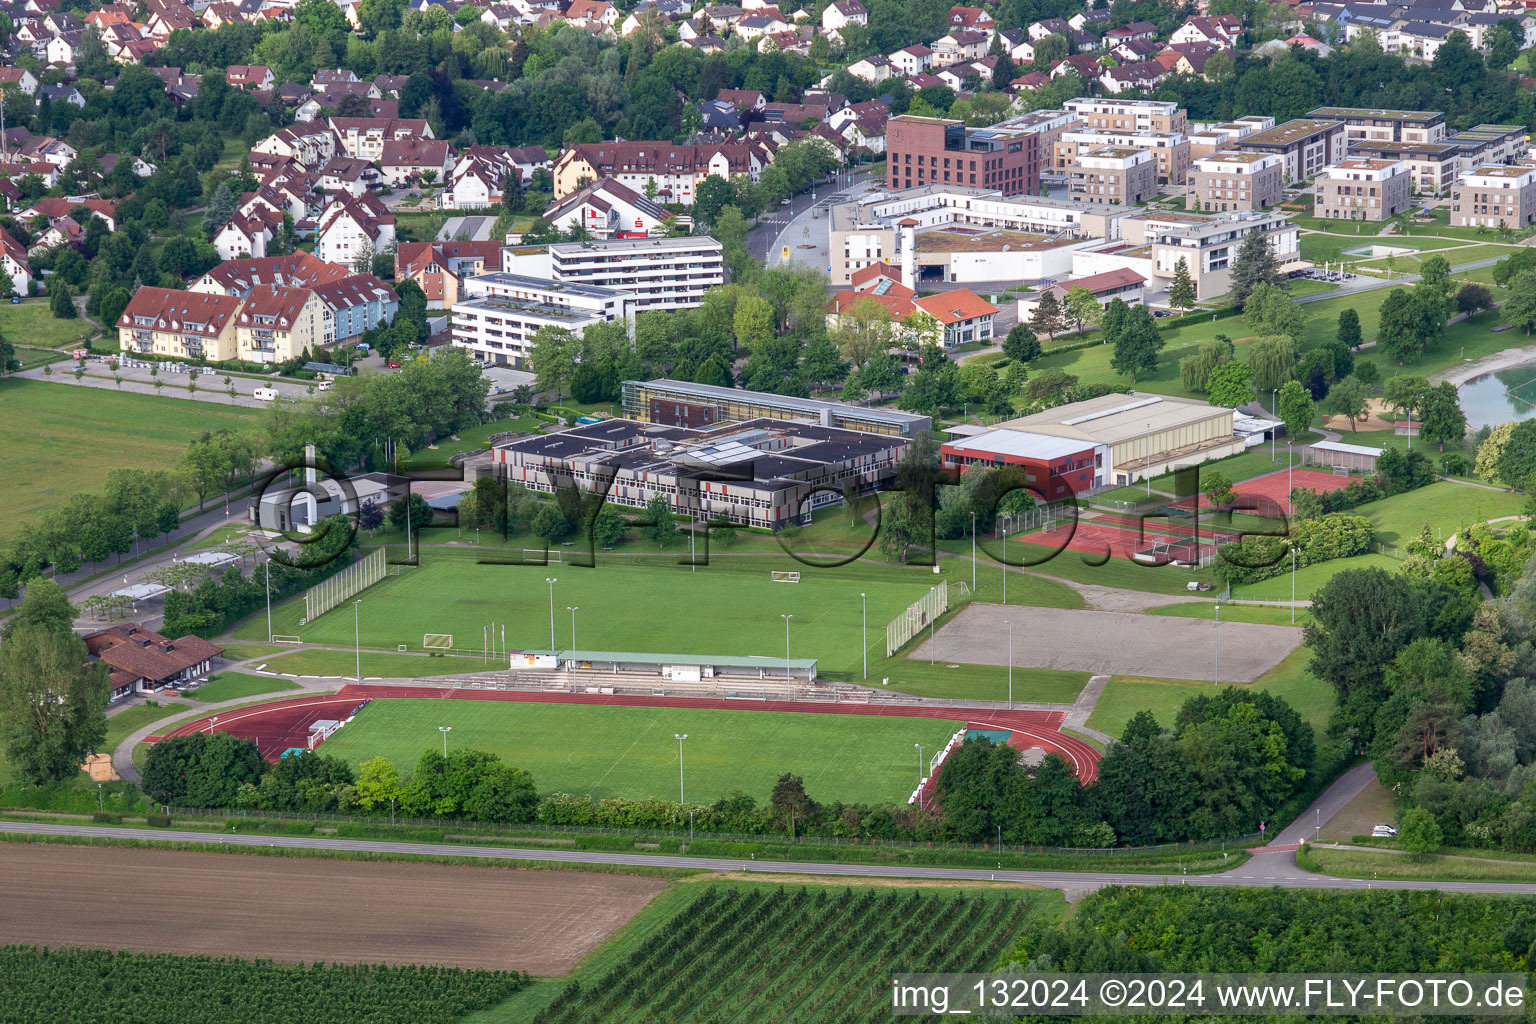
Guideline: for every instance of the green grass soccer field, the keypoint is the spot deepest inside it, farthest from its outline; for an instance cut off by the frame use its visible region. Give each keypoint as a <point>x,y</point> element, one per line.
<point>730,607</point>
<point>631,753</point>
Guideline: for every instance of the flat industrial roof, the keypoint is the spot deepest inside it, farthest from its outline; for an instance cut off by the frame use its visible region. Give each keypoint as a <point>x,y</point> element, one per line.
<point>1023,444</point>
<point>806,405</point>
<point>1112,419</point>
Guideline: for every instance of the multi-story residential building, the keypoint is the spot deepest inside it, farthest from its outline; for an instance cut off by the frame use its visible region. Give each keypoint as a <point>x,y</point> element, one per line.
<point>1362,124</point>
<point>277,324</point>
<point>1361,188</point>
<point>179,324</point>
<point>934,150</point>
<point>1432,166</point>
<point>1153,244</point>
<point>1130,115</point>
<point>1213,138</point>
<point>364,137</point>
<point>1304,146</point>
<point>1230,182</point>
<point>352,231</point>
<point>499,314</point>
<point>1047,126</point>
<point>661,273</point>
<point>1113,175</point>
<point>672,171</point>
<point>441,268</point>
<point>1495,197</point>
<point>1489,144</point>
<point>353,306</point>
<point>1171,149</point>
<point>608,209</point>
<point>296,270</point>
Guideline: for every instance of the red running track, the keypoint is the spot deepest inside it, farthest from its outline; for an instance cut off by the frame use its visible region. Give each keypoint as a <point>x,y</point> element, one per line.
<point>283,724</point>
<point>1272,486</point>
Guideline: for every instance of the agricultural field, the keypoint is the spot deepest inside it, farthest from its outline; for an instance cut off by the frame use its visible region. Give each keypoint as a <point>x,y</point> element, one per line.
<point>109,987</point>
<point>630,752</point>
<point>833,950</point>
<point>56,439</point>
<point>730,607</point>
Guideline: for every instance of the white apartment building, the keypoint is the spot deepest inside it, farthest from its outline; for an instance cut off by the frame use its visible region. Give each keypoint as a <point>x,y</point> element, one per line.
<point>499,314</point>
<point>660,273</point>
<point>1113,175</point>
<point>1227,182</point>
<point>1129,115</point>
<point>1170,148</point>
<point>1361,188</point>
<point>1495,197</point>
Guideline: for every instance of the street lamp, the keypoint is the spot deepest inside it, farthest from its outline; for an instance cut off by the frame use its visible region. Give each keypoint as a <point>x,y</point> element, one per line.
<point>1273,392</point>
<point>573,609</point>
<point>680,736</point>
<point>1009,624</point>
<point>973,552</point>
<point>864,604</point>
<point>269,598</point>
<point>919,747</point>
<point>445,730</point>
<point>789,683</point>
<point>1149,460</point>
<point>931,616</point>
<point>1218,645</point>
<point>357,640</point>
<point>551,580</point>
<point>1293,585</point>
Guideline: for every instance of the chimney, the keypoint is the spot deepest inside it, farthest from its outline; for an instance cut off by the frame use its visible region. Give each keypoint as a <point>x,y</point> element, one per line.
<point>909,253</point>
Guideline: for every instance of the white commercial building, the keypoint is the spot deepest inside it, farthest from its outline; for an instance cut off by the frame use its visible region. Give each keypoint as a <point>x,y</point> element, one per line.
<point>499,314</point>
<point>661,273</point>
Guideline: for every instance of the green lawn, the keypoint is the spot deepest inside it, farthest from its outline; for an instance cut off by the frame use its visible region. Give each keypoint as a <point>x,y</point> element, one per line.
<point>1306,286</point>
<point>1310,578</point>
<point>120,726</point>
<point>1323,245</point>
<point>31,357</point>
<point>230,685</point>
<point>56,439</point>
<point>631,753</point>
<point>470,440</point>
<point>1125,695</point>
<point>974,682</point>
<point>32,324</point>
<point>1268,615</point>
<point>1442,506</point>
<point>650,605</point>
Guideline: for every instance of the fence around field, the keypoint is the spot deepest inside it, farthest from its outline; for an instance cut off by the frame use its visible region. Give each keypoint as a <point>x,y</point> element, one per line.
<point>917,615</point>
<point>329,593</point>
<point>495,831</point>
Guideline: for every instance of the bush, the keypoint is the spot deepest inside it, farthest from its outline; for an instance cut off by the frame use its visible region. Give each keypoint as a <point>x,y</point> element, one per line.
<point>159,821</point>
<point>107,818</point>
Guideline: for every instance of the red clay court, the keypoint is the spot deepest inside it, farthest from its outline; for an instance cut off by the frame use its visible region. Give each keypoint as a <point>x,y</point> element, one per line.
<point>1273,486</point>
<point>283,725</point>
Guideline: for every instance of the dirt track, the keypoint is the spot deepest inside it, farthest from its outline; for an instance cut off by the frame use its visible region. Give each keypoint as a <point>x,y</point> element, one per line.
<point>311,909</point>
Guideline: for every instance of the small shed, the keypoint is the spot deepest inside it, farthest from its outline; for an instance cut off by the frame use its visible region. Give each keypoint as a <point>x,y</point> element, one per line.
<point>1337,454</point>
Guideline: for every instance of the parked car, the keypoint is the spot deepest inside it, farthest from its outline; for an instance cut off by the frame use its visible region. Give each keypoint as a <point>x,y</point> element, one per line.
<point>266,394</point>
<point>392,365</point>
<point>324,385</point>
<point>1383,832</point>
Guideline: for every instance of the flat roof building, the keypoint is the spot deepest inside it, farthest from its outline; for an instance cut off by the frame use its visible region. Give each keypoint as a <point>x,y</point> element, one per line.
<point>1144,435</point>
<point>1305,146</point>
<point>500,313</point>
<point>1366,124</point>
<point>1362,188</point>
<point>1433,166</point>
<point>1231,181</point>
<point>1495,197</point>
<point>1113,174</point>
<point>936,150</point>
<point>661,273</point>
<point>686,404</point>
<point>1129,115</point>
<point>1170,148</point>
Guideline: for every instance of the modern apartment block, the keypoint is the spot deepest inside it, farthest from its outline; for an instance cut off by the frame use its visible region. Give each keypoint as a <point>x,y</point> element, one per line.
<point>1432,166</point>
<point>1304,146</point>
<point>1113,175</point>
<point>1170,148</point>
<point>1363,124</point>
<point>936,150</point>
<point>1227,182</point>
<point>1153,243</point>
<point>1129,115</point>
<point>500,313</point>
<point>661,273</point>
<point>1361,188</point>
<point>1489,144</point>
<point>1213,138</point>
<point>1495,197</point>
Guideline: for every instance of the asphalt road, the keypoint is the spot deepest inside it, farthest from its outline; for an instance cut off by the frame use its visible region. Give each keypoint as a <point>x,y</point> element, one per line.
<point>1265,869</point>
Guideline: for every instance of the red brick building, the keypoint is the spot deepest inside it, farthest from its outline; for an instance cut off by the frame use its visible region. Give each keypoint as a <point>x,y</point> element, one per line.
<point>941,151</point>
<point>1056,468</point>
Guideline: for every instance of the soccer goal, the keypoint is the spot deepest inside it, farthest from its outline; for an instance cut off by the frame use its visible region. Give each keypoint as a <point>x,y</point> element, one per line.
<point>279,638</point>
<point>437,641</point>
<point>784,577</point>
<point>1341,471</point>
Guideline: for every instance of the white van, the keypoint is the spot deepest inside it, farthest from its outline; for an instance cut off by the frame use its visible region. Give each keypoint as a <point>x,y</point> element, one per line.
<point>266,394</point>
<point>324,385</point>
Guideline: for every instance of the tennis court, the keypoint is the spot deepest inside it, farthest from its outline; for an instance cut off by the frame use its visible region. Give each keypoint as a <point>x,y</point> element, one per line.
<point>1273,490</point>
<point>1152,541</point>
